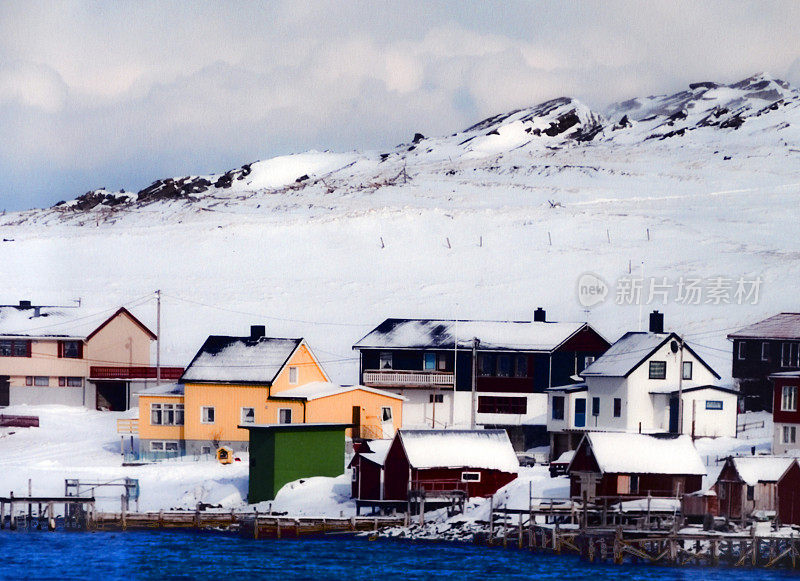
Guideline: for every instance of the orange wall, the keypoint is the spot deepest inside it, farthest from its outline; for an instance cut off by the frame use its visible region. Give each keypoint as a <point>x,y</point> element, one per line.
<point>308,371</point>
<point>120,342</point>
<point>339,408</point>
<point>150,432</point>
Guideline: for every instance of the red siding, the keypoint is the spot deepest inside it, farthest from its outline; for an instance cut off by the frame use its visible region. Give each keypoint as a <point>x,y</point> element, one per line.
<point>396,473</point>
<point>789,496</point>
<point>367,485</point>
<point>777,414</point>
<point>729,485</point>
<point>586,339</point>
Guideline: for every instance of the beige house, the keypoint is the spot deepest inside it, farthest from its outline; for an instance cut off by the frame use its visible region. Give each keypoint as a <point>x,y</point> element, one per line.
<point>63,355</point>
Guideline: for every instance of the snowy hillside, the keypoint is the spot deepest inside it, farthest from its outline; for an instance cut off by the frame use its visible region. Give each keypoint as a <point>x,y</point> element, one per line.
<point>487,223</point>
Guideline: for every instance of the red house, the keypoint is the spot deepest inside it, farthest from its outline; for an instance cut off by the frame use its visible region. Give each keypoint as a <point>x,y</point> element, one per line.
<point>367,468</point>
<point>476,462</point>
<point>748,484</point>
<point>789,495</point>
<point>622,464</point>
<point>785,412</point>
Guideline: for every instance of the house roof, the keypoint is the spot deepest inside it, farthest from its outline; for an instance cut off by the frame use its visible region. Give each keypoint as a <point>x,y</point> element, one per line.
<point>168,389</point>
<point>378,449</point>
<point>493,335</point>
<point>630,351</point>
<point>755,469</point>
<point>58,322</point>
<point>483,449</point>
<point>320,389</point>
<point>780,326</point>
<point>571,388</point>
<point>224,359</point>
<point>644,454</point>
<point>671,389</point>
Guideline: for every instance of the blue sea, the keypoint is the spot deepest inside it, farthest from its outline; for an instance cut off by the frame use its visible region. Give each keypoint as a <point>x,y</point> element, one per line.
<point>189,555</point>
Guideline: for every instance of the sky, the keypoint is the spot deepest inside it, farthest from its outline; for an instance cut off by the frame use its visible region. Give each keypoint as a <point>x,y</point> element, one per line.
<point>119,94</point>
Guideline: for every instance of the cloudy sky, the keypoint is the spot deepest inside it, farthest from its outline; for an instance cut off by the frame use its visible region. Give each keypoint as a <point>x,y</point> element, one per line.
<point>118,94</point>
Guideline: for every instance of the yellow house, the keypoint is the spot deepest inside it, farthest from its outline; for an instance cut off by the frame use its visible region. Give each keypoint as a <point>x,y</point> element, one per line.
<point>238,381</point>
<point>63,355</point>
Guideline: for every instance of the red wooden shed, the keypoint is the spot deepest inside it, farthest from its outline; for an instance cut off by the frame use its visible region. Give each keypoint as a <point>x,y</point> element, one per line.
<point>789,495</point>
<point>367,468</point>
<point>476,462</point>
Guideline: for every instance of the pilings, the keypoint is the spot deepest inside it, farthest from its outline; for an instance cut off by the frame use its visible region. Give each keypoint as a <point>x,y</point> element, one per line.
<point>78,512</point>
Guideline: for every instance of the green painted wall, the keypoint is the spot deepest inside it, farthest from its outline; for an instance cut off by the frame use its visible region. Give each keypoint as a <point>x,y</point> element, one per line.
<point>280,455</point>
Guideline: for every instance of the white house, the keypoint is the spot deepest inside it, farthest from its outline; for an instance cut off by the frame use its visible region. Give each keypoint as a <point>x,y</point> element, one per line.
<point>634,387</point>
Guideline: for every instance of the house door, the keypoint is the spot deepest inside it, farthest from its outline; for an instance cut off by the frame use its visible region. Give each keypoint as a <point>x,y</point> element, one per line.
<point>5,391</point>
<point>673,415</point>
<point>580,412</point>
<point>588,485</point>
<point>356,421</point>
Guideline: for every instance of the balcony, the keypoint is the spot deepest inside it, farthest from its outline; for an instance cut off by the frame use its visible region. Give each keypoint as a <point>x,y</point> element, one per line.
<point>133,373</point>
<point>402,378</point>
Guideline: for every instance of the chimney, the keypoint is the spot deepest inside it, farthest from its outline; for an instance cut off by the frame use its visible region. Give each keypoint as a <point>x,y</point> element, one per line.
<point>656,322</point>
<point>257,331</point>
<point>24,305</point>
<point>539,315</point>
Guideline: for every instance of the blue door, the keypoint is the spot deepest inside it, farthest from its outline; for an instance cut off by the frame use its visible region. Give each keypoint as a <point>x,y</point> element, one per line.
<point>580,412</point>
<point>673,415</point>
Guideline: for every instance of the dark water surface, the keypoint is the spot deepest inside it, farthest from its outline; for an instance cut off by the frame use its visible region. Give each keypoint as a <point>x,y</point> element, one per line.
<point>184,555</point>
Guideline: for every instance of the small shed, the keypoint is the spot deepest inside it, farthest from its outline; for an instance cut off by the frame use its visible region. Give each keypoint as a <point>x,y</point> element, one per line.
<point>615,464</point>
<point>474,462</point>
<point>367,467</point>
<point>749,483</point>
<point>282,453</point>
<point>789,495</point>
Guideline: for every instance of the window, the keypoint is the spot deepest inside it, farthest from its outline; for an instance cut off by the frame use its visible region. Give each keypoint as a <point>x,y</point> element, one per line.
<point>713,404</point>
<point>156,414</point>
<point>789,398</point>
<point>623,484</point>
<point>687,370</point>
<point>207,414</point>
<point>470,477</point>
<point>595,406</point>
<point>157,446</point>
<point>385,360</point>
<point>587,361</point>
<point>178,414</point>
<point>558,407</point>
<point>41,381</point>
<point>658,370</point>
<point>429,361</point>
<point>248,415</point>
<point>285,416</point>
<point>580,412</point>
<point>355,474</point>
<point>166,414</point>
<point>790,354</point>
<point>765,351</point>
<point>74,381</point>
<point>741,351</point>
<point>486,363</point>
<point>15,348</point>
<point>617,407</point>
<point>489,404</point>
<point>789,434</point>
<point>521,369</point>
<point>504,366</point>
<point>170,447</point>
<point>723,491</point>
<point>442,363</point>
<point>293,375</point>
<point>386,414</point>
<point>751,492</point>
<point>70,349</point>
<point>436,398</point>
<point>634,483</point>
<point>205,450</point>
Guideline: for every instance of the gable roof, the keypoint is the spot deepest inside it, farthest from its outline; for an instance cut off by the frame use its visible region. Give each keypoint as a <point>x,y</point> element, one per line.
<point>320,389</point>
<point>643,454</point>
<point>780,326</point>
<point>486,449</point>
<point>57,322</point>
<point>224,359</point>
<point>631,350</point>
<point>378,449</point>
<point>755,469</point>
<point>493,335</point>
<point>127,313</point>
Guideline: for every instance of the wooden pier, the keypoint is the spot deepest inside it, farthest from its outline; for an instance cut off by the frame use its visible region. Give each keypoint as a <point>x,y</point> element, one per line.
<point>77,511</point>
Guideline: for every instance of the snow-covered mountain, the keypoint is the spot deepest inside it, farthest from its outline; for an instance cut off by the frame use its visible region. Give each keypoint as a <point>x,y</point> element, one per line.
<point>488,222</point>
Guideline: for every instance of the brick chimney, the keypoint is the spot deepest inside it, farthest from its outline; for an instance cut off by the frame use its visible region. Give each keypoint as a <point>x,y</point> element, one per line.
<point>539,315</point>
<point>656,322</point>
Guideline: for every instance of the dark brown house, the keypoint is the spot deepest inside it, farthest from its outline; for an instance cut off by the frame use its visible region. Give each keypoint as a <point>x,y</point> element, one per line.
<point>761,349</point>
<point>789,495</point>
<point>749,483</point>
<point>474,462</point>
<point>614,464</point>
<point>367,469</point>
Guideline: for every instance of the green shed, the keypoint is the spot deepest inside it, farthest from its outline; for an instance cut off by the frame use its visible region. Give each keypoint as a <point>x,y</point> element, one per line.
<point>281,453</point>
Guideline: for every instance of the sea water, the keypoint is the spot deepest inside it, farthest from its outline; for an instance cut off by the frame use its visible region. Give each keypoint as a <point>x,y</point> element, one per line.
<point>186,555</point>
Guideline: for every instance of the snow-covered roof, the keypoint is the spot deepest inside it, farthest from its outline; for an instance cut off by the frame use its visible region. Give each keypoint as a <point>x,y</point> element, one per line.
<point>780,326</point>
<point>486,449</point>
<point>163,389</point>
<point>630,351</point>
<point>442,334</point>
<point>569,388</point>
<point>565,458</point>
<point>755,469</point>
<point>240,359</point>
<point>320,389</point>
<point>377,451</point>
<point>672,389</point>
<point>54,321</point>
<point>625,453</point>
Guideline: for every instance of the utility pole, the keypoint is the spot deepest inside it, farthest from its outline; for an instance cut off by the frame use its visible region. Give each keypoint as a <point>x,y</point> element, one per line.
<point>158,336</point>
<point>475,343</point>
<point>680,387</point>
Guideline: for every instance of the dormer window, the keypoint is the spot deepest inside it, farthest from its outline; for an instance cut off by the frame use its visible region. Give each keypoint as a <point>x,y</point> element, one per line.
<point>658,370</point>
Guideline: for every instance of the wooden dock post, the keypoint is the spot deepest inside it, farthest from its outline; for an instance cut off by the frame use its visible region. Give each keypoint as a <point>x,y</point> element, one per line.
<point>2,515</point>
<point>51,521</point>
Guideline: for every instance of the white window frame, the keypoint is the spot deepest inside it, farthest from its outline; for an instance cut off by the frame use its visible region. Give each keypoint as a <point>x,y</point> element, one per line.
<point>425,357</point>
<point>436,398</point>
<point>741,350</point>
<point>385,357</point>
<point>789,398</point>
<point>384,409</point>
<point>280,412</point>
<point>470,476</point>
<point>588,360</point>
<point>165,446</point>
<point>765,351</point>
<point>294,374</point>
<point>203,414</point>
<point>74,381</point>
<point>41,381</point>
<point>650,370</point>
<point>156,408</point>
<point>789,434</point>
<point>243,418</point>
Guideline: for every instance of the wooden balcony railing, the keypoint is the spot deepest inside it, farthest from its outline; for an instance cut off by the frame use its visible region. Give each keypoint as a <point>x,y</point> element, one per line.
<point>120,372</point>
<point>400,378</point>
<point>443,486</point>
